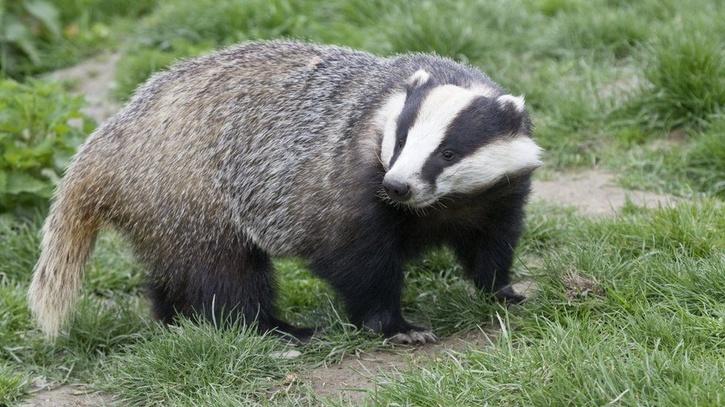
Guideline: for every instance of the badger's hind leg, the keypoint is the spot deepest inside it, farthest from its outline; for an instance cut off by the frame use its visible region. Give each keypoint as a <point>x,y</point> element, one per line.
<point>222,283</point>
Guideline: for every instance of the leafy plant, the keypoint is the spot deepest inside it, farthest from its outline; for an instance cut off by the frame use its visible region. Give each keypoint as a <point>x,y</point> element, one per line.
<point>41,35</point>
<point>40,128</point>
<point>22,25</point>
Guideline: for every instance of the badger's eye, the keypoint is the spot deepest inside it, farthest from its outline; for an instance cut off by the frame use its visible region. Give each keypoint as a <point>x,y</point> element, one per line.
<point>448,155</point>
<point>400,142</point>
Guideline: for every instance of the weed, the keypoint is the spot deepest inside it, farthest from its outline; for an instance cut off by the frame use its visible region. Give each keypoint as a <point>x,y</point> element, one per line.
<point>36,141</point>
<point>12,384</point>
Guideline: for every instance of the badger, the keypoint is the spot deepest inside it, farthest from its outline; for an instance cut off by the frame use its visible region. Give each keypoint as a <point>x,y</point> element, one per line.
<point>355,163</point>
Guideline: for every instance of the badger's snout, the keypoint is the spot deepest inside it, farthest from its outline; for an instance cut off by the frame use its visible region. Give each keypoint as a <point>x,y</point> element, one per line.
<point>397,189</point>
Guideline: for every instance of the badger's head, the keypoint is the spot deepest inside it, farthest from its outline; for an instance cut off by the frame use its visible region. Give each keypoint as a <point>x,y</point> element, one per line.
<point>442,139</point>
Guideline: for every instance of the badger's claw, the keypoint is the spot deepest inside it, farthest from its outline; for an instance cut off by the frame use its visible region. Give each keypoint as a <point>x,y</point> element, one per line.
<point>413,337</point>
<point>508,296</point>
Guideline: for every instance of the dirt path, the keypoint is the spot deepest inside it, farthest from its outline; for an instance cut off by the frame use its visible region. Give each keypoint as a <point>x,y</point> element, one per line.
<point>594,193</point>
<point>353,378</point>
<point>591,192</point>
<point>94,79</point>
<point>67,396</point>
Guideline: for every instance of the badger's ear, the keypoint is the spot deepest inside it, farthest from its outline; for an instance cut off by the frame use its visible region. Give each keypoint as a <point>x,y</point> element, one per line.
<point>517,102</point>
<point>511,112</point>
<point>417,79</point>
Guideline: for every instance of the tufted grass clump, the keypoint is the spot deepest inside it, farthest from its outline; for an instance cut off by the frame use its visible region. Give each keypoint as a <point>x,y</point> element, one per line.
<point>687,76</point>
<point>12,384</point>
<point>685,169</point>
<point>193,361</point>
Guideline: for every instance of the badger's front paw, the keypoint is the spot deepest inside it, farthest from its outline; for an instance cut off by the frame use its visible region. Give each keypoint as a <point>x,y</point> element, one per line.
<point>396,329</point>
<point>507,295</point>
<point>414,336</point>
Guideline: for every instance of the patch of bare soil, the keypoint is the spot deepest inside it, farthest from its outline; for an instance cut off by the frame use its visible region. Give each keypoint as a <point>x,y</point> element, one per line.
<point>94,79</point>
<point>629,81</point>
<point>68,396</point>
<point>593,192</point>
<point>578,286</point>
<point>352,379</point>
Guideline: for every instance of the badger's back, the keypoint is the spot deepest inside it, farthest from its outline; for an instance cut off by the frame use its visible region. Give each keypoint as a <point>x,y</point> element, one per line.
<point>252,140</point>
<point>271,142</point>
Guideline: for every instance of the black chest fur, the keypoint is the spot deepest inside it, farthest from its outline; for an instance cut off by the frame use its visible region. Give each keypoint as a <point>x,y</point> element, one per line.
<point>459,219</point>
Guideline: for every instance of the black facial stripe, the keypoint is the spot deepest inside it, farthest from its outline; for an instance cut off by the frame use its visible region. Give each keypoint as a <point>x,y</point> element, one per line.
<point>413,100</point>
<point>481,123</point>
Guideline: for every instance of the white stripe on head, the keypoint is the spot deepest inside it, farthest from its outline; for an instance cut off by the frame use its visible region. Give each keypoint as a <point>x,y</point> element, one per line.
<point>387,120</point>
<point>484,90</point>
<point>489,164</point>
<point>438,110</point>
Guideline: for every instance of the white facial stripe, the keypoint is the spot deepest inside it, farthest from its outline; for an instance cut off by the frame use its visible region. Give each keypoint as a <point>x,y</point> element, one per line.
<point>484,90</point>
<point>386,119</point>
<point>438,110</point>
<point>489,164</point>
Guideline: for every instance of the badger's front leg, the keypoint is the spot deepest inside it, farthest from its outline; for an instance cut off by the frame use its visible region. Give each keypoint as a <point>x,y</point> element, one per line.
<point>487,260</point>
<point>370,282</point>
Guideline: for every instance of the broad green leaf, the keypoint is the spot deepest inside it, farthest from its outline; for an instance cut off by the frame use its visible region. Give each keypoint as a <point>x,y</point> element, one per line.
<point>19,182</point>
<point>36,142</point>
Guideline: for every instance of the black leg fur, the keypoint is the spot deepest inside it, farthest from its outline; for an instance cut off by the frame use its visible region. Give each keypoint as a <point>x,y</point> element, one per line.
<point>161,306</point>
<point>368,275</point>
<point>225,284</point>
<point>487,262</point>
<point>487,256</point>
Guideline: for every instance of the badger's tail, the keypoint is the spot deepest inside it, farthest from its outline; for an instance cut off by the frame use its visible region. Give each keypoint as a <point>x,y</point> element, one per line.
<point>69,234</point>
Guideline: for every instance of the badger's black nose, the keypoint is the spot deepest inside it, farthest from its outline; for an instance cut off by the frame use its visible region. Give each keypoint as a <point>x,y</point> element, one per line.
<point>400,191</point>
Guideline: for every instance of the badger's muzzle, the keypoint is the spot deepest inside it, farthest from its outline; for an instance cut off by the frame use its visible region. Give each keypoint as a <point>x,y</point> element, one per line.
<point>396,189</point>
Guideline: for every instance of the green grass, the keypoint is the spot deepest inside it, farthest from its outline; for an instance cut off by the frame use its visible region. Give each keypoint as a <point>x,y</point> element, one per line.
<point>647,329</point>
<point>12,384</point>
<point>606,31</point>
<point>685,81</point>
<point>698,164</point>
<point>195,362</point>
